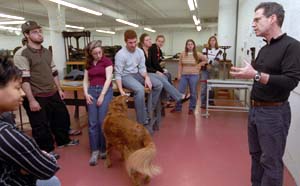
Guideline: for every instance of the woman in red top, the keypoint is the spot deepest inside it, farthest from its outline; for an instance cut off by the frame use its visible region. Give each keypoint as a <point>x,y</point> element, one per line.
<point>98,94</point>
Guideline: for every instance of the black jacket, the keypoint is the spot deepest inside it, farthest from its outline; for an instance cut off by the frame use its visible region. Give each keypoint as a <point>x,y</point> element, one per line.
<point>153,62</point>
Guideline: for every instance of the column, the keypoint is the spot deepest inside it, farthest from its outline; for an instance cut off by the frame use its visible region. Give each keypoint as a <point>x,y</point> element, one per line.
<point>56,16</point>
<point>227,26</point>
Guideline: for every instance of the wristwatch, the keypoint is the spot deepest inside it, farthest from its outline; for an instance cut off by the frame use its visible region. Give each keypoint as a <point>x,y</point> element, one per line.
<point>257,76</point>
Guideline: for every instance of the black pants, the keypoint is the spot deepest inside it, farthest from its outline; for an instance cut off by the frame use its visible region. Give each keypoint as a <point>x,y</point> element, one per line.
<point>53,118</point>
<point>267,132</point>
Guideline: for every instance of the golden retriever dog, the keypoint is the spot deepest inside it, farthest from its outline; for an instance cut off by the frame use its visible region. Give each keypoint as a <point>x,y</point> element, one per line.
<point>132,140</point>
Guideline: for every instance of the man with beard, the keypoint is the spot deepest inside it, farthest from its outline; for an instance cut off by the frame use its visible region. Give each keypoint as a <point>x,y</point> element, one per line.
<point>43,102</point>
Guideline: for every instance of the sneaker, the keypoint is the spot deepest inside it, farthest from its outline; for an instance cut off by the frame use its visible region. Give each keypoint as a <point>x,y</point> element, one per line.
<point>94,158</point>
<point>103,155</point>
<point>54,154</point>
<point>71,143</point>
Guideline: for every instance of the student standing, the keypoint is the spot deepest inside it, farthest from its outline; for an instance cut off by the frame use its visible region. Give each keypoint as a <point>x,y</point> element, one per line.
<point>189,66</point>
<point>48,115</point>
<point>98,94</point>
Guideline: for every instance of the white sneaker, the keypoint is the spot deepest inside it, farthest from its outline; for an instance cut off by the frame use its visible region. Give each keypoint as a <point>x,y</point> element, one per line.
<point>94,158</point>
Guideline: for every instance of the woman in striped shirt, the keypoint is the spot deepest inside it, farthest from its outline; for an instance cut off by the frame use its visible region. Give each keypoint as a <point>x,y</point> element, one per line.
<point>22,163</point>
<point>189,66</point>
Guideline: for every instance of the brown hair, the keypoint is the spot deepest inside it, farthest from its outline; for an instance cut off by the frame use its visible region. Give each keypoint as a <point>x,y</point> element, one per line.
<point>195,54</point>
<point>160,36</point>
<point>88,51</point>
<point>208,42</point>
<point>271,8</point>
<point>129,34</point>
<point>142,38</point>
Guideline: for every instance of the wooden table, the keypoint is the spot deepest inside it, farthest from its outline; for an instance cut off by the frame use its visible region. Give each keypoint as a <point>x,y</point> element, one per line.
<point>73,86</point>
<point>76,86</point>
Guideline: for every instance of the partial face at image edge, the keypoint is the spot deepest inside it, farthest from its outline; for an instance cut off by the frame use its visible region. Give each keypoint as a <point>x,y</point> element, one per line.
<point>11,96</point>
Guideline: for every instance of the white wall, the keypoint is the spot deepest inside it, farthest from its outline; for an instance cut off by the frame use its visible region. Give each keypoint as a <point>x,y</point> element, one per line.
<point>226,26</point>
<point>175,40</point>
<point>11,42</point>
<point>247,39</point>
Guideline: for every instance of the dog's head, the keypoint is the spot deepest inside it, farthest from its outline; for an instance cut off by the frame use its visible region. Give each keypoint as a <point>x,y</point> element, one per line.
<point>118,105</point>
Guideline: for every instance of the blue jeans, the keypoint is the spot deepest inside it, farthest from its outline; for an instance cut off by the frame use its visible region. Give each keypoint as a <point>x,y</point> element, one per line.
<point>204,76</point>
<point>168,87</point>
<point>53,181</point>
<point>96,116</point>
<point>268,128</point>
<point>136,83</point>
<point>191,81</point>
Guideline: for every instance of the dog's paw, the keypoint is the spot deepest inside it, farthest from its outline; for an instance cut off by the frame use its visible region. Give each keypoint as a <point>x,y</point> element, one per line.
<point>147,180</point>
<point>107,164</point>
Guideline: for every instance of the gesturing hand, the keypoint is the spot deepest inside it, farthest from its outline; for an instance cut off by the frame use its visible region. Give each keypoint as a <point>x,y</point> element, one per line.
<point>246,72</point>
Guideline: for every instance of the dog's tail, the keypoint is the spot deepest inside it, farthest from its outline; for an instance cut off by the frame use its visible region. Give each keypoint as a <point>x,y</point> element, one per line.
<point>141,161</point>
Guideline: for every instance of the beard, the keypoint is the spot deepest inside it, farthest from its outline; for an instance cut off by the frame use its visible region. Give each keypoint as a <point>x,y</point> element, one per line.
<point>37,41</point>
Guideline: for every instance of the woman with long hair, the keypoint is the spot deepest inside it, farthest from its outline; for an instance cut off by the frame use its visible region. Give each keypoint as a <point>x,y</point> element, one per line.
<point>189,65</point>
<point>213,53</point>
<point>98,94</point>
<point>145,42</point>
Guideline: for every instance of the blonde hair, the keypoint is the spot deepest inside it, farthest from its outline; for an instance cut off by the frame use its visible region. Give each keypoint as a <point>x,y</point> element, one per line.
<point>208,42</point>
<point>160,36</point>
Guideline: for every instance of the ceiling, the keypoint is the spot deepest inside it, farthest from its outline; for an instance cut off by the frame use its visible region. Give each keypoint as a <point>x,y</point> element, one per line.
<point>157,14</point>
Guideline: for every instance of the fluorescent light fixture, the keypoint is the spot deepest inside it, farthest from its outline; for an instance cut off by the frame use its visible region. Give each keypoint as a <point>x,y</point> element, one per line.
<point>10,28</point>
<point>70,5</point>
<point>11,22</point>
<point>11,17</point>
<point>149,29</point>
<point>195,2</point>
<point>127,23</point>
<point>191,5</point>
<point>196,20</point>
<point>106,32</point>
<point>199,28</point>
<point>77,27</point>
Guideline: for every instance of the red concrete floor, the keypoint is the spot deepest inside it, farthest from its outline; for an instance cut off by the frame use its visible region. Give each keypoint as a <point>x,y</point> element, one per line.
<point>192,151</point>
